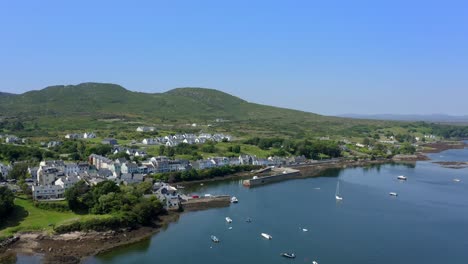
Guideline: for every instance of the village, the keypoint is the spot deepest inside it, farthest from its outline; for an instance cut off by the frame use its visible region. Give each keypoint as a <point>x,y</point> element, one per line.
<point>52,177</point>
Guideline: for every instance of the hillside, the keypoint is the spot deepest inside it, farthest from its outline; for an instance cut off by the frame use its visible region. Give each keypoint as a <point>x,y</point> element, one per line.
<point>86,105</point>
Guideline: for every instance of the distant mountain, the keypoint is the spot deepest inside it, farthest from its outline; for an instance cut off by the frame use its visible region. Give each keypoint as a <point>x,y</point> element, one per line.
<point>97,99</point>
<point>440,118</point>
<point>85,105</point>
<point>5,94</point>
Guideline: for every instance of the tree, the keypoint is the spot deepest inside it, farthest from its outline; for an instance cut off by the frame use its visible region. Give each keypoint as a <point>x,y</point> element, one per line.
<point>75,196</point>
<point>170,152</point>
<point>147,210</point>
<point>236,149</point>
<point>25,188</point>
<point>407,148</point>
<point>104,187</point>
<point>107,203</point>
<point>145,187</point>
<point>19,171</point>
<point>162,150</point>
<point>366,141</point>
<point>6,201</point>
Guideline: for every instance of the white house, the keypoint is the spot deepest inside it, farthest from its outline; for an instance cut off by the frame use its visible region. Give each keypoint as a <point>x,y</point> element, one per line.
<point>71,168</point>
<point>73,136</point>
<point>12,139</point>
<point>67,182</point>
<point>47,191</point>
<point>149,141</point>
<point>145,129</point>
<point>89,135</point>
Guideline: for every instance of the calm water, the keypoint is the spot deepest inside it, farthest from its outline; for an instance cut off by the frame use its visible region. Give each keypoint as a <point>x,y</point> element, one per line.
<point>426,223</point>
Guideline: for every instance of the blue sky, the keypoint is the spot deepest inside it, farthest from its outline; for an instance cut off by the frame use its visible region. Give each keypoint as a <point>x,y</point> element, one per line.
<point>328,57</point>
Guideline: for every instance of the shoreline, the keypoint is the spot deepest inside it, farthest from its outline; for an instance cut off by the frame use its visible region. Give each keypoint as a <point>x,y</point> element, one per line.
<point>80,246</point>
<point>76,247</point>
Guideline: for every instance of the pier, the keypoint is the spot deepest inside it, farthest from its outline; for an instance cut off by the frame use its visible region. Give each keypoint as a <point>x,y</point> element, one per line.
<point>279,174</point>
<point>206,202</point>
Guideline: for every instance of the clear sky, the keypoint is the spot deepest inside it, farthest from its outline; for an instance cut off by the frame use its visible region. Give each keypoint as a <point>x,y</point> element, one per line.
<point>328,57</point>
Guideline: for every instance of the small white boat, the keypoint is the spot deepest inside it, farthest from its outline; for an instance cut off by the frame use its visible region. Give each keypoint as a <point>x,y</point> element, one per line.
<point>201,184</point>
<point>305,230</point>
<point>214,239</point>
<point>230,228</point>
<point>393,194</point>
<point>228,219</point>
<point>456,180</point>
<point>338,197</point>
<point>234,199</point>
<point>267,236</point>
<point>314,262</point>
<point>288,255</point>
<point>401,178</point>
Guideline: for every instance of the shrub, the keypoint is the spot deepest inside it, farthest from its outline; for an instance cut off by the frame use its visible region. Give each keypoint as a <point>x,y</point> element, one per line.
<point>53,206</point>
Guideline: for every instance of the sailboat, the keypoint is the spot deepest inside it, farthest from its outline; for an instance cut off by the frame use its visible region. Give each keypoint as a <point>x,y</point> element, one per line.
<point>338,197</point>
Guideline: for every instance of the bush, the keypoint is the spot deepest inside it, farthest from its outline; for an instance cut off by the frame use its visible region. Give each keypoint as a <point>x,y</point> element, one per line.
<point>95,224</point>
<point>52,206</point>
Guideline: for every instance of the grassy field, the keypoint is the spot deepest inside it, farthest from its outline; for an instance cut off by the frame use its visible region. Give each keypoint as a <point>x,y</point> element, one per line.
<point>27,217</point>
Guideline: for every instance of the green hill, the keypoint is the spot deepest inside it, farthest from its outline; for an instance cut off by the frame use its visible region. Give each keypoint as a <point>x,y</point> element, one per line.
<point>88,105</point>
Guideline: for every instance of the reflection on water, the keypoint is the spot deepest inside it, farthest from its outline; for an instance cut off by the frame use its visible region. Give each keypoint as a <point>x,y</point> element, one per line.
<point>136,248</point>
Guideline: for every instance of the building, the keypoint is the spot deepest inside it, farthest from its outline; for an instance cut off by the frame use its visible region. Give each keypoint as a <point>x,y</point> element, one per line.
<point>99,162</point>
<point>73,136</point>
<point>67,181</point>
<point>53,144</point>
<point>89,135</point>
<point>129,168</point>
<point>71,168</point>
<point>41,192</point>
<point>109,141</point>
<point>4,170</point>
<point>145,129</point>
<point>12,139</point>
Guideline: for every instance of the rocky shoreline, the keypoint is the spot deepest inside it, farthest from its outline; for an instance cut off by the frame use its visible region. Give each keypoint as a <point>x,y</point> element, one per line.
<point>75,247</point>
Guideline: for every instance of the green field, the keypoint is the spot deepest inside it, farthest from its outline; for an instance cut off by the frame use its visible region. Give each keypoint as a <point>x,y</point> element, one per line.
<point>26,217</point>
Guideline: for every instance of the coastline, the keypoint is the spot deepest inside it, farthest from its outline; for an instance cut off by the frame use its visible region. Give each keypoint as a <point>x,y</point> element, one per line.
<point>81,245</point>
<point>76,247</point>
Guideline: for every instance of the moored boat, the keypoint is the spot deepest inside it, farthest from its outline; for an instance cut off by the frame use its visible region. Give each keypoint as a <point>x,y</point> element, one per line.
<point>393,194</point>
<point>228,219</point>
<point>338,197</point>
<point>267,236</point>
<point>456,180</point>
<point>402,178</point>
<point>234,199</point>
<point>288,255</point>
<point>214,239</point>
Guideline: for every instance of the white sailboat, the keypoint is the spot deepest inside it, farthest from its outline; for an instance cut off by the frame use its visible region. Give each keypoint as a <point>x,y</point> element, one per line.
<point>338,197</point>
